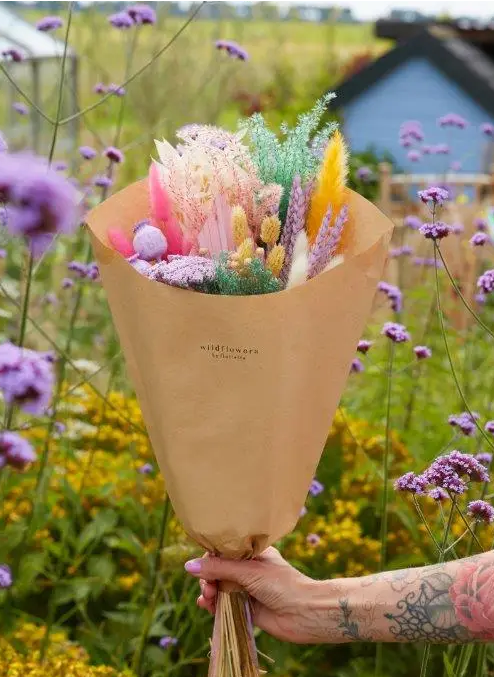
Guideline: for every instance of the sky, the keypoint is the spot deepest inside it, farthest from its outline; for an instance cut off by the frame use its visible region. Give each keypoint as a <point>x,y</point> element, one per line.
<point>369,9</point>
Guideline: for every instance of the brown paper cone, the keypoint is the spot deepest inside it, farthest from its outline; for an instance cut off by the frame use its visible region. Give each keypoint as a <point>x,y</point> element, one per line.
<point>238,393</point>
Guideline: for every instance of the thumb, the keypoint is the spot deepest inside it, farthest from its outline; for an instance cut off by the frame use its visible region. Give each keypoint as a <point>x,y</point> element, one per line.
<point>245,573</point>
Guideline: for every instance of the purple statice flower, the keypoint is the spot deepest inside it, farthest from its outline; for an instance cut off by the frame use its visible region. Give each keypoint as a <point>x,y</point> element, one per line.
<point>15,450</point>
<point>438,494</point>
<point>452,120</point>
<point>364,346</point>
<point>481,511</point>
<point>465,422</point>
<point>489,427</point>
<point>166,642</point>
<point>13,54</point>
<point>149,242</point>
<point>441,149</point>
<point>87,152</point>
<point>480,224</point>
<point>187,272</point>
<point>121,20</point>
<point>26,377</point>
<point>412,222</point>
<point>142,14</point>
<point>40,202</point>
<point>414,155</point>
<point>20,108</point>
<point>422,352</point>
<point>364,174</point>
<point>457,228</point>
<point>327,241</point>
<point>295,221</point>
<point>102,181</point>
<point>434,194</point>
<point>356,366</point>
<point>427,149</point>
<point>49,23</point>
<point>67,283</point>
<point>455,166</point>
<point>396,252</point>
<point>487,128</point>
<point>486,281</point>
<point>396,332</point>
<point>484,457</point>
<point>145,469</point>
<point>233,49</point>
<point>313,539</point>
<point>435,231</point>
<point>415,484</point>
<point>99,88</point>
<point>394,295</point>
<point>466,464</point>
<point>118,90</point>
<point>411,130</point>
<point>114,154</point>
<point>316,487</point>
<point>479,239</point>
<point>5,576</point>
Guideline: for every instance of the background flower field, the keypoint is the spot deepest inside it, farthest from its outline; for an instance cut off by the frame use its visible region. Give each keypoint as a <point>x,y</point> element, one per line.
<point>92,580</point>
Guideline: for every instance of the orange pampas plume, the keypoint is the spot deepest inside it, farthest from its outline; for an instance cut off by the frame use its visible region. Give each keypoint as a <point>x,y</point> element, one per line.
<point>330,185</point>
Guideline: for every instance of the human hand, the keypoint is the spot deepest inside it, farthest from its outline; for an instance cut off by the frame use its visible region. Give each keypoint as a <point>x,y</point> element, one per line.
<point>286,603</point>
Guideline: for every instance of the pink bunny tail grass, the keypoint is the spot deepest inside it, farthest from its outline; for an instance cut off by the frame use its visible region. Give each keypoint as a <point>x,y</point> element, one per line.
<point>120,242</point>
<point>162,212</point>
<point>233,648</point>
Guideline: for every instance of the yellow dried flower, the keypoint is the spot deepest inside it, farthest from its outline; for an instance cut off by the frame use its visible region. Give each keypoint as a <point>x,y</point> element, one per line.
<point>275,259</point>
<point>240,229</point>
<point>245,249</point>
<point>270,230</point>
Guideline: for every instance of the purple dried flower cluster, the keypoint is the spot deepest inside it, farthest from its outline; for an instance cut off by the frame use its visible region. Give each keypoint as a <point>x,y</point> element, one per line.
<point>465,422</point>
<point>40,202</point>
<point>452,120</point>
<point>5,576</point>
<point>132,16</point>
<point>438,494</point>
<point>396,252</point>
<point>486,281</point>
<point>89,271</point>
<point>484,457</point>
<point>434,194</point>
<point>26,377</point>
<point>412,222</point>
<point>187,272</point>
<point>49,23</point>
<point>294,223</point>
<point>316,488</point>
<point>422,352</point>
<point>232,48</point>
<point>15,450</point>
<point>364,346</point>
<point>327,241</point>
<point>479,239</point>
<point>481,511</point>
<point>411,131</point>
<point>445,473</point>
<point>487,128</point>
<point>396,332</point>
<point>394,295</point>
<point>435,231</point>
<point>415,484</point>
<point>364,174</point>
<point>356,367</point>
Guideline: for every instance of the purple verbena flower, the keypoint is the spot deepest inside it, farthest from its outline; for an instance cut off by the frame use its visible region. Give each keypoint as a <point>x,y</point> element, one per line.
<point>364,174</point>
<point>427,262</point>
<point>484,457</point>
<point>114,154</point>
<point>188,272</point>
<point>412,222</point>
<point>457,228</point>
<point>422,352</point>
<point>40,202</point>
<point>452,120</point>
<point>479,239</point>
<point>50,299</point>
<point>121,20</point>
<point>486,281</point>
<point>489,427</point>
<point>434,194</point>
<point>118,90</point>
<point>441,474</point>
<point>466,464</point>
<point>481,511</point>
<point>442,149</point>
<point>49,23</point>
<point>435,231</point>
<point>26,378</point>
<point>396,332</point>
<point>465,422</point>
<point>316,488</point>
<point>5,576</point>
<point>166,642</point>
<point>414,155</point>
<point>363,346</point>
<point>16,451</point>
<point>427,149</point>
<point>20,108</point>
<point>102,181</point>
<point>415,484</point>
<point>313,539</point>
<point>60,166</point>
<point>87,152</point>
<point>455,166</point>
<point>394,295</point>
<point>13,54</point>
<point>487,128</point>
<point>438,494</point>
<point>233,49</point>
<point>142,14</point>
<point>411,130</point>
<point>396,252</point>
<point>480,224</point>
<point>145,469</point>
<point>356,366</point>
<point>99,88</point>
<point>67,283</point>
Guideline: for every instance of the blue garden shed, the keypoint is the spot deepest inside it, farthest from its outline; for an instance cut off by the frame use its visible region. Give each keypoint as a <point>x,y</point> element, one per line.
<point>432,74</point>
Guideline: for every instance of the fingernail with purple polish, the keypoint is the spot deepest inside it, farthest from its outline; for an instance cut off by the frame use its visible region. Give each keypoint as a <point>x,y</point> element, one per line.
<point>193,566</point>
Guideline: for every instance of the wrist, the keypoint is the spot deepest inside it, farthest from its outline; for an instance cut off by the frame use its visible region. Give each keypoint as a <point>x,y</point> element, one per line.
<point>334,610</point>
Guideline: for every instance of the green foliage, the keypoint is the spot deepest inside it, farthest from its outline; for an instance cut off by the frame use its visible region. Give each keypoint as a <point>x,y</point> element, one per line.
<point>297,152</point>
<point>256,280</point>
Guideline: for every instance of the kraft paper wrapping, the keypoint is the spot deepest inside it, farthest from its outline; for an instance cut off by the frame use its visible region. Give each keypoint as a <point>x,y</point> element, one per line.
<point>238,393</point>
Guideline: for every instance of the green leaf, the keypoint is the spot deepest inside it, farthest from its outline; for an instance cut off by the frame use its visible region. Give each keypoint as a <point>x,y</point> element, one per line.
<point>77,590</point>
<point>104,522</point>
<point>101,568</point>
<point>30,567</point>
<point>448,665</point>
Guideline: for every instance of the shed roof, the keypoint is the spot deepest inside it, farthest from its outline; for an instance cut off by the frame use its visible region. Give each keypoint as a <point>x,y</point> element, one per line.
<point>15,32</point>
<point>460,61</point>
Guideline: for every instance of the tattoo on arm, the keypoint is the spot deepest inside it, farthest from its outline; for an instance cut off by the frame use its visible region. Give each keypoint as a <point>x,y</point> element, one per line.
<point>350,629</point>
